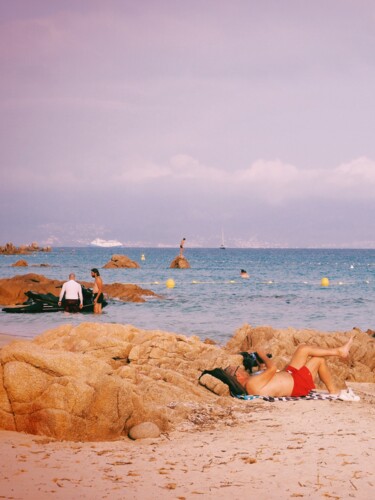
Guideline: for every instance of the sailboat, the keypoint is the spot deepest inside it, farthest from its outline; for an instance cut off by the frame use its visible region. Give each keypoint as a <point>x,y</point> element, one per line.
<point>222,246</point>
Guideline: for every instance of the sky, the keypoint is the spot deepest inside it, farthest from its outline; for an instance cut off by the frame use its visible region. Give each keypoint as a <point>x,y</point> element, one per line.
<point>151,120</point>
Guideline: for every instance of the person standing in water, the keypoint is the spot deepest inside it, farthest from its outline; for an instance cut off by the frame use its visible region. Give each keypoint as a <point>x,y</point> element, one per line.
<point>182,247</point>
<point>98,291</point>
<point>72,291</point>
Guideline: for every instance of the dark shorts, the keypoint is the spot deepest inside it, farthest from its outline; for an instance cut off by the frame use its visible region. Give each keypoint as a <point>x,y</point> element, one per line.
<point>100,298</point>
<point>71,305</point>
<point>303,380</point>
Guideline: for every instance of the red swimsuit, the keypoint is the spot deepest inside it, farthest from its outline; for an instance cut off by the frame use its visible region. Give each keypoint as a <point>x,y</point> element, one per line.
<point>303,380</point>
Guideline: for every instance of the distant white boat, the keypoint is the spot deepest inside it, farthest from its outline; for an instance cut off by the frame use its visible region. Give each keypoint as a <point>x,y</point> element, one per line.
<point>98,242</point>
<point>222,246</point>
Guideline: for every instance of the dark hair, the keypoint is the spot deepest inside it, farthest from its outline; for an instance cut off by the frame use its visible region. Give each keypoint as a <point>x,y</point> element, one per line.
<point>235,388</point>
<point>94,270</point>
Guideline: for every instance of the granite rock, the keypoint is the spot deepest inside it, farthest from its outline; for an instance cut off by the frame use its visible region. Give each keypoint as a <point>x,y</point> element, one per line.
<point>10,249</point>
<point>144,430</point>
<point>12,290</point>
<point>121,261</point>
<point>20,263</point>
<point>98,381</point>
<point>179,263</point>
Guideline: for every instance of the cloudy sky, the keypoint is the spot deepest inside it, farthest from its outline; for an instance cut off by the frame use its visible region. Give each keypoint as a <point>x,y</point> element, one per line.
<point>145,121</point>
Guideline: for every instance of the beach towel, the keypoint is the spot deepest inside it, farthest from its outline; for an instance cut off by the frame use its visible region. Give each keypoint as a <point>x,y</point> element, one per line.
<point>238,391</point>
<point>344,395</point>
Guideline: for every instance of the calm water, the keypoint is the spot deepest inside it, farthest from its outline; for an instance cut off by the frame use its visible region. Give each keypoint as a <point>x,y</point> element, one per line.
<point>210,299</point>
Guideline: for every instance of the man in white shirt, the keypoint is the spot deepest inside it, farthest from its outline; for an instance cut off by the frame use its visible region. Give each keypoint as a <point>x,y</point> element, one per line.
<point>73,295</point>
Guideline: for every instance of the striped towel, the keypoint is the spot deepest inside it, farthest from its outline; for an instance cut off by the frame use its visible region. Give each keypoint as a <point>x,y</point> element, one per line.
<point>310,395</point>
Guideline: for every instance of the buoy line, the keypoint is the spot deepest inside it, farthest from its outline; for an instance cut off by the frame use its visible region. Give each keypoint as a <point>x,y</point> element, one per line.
<point>324,283</point>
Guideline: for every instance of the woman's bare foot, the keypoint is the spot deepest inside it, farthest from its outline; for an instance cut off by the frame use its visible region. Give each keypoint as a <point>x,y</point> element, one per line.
<point>344,350</point>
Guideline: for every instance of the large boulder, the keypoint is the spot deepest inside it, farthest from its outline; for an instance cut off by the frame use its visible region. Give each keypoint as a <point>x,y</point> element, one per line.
<point>12,290</point>
<point>180,262</point>
<point>121,261</point>
<point>97,381</point>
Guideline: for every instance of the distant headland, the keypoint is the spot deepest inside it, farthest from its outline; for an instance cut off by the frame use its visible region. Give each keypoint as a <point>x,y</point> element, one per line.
<point>10,249</point>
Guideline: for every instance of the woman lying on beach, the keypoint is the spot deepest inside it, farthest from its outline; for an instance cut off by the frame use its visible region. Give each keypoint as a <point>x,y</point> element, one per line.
<point>297,378</point>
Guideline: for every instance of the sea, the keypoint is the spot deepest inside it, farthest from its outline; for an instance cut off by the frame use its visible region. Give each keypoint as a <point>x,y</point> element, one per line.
<point>210,300</point>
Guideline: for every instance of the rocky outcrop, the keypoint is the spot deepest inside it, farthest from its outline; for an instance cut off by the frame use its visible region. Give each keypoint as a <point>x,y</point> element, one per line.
<point>12,290</point>
<point>20,263</point>
<point>121,261</point>
<point>127,292</point>
<point>10,249</point>
<point>179,263</point>
<point>99,381</point>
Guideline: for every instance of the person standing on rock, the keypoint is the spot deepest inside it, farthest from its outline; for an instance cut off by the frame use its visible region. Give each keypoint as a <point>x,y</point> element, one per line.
<point>98,291</point>
<point>73,295</point>
<point>182,247</point>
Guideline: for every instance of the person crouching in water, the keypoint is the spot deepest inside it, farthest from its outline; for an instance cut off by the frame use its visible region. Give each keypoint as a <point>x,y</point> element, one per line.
<point>98,291</point>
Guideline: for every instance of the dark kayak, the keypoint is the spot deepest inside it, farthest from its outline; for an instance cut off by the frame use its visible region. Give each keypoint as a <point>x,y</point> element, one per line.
<point>47,302</point>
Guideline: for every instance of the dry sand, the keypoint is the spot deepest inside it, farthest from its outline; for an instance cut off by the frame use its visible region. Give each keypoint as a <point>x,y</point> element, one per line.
<point>299,449</point>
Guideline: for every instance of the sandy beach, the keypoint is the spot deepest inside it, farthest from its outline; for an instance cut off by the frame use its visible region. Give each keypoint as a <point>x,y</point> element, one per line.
<point>302,449</point>
<point>298,449</point>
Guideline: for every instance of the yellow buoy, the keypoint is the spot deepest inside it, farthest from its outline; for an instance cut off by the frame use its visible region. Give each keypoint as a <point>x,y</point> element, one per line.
<point>324,282</point>
<point>170,283</point>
